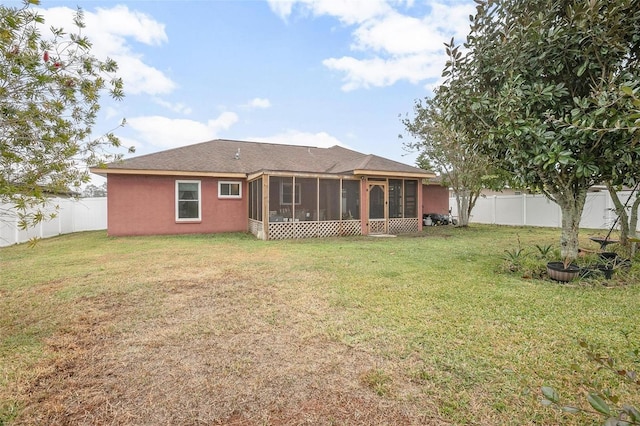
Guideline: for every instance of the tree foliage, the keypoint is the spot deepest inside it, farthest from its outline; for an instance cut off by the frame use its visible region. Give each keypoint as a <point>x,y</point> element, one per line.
<point>445,149</point>
<point>94,191</point>
<point>50,87</point>
<point>552,83</point>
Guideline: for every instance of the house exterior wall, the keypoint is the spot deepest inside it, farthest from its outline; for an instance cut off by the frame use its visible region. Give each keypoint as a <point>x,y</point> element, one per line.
<point>145,205</point>
<point>435,199</point>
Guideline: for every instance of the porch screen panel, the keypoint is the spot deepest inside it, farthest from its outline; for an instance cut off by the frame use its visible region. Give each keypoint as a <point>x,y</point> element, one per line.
<point>350,199</point>
<point>329,199</point>
<point>410,198</point>
<point>280,199</point>
<point>255,199</point>
<point>376,202</point>
<point>252,207</point>
<point>395,198</point>
<point>306,208</point>
<point>259,198</point>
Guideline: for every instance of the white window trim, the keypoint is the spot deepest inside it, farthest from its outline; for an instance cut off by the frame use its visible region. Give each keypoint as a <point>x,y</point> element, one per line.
<point>189,219</point>
<point>222,182</point>
<point>298,200</point>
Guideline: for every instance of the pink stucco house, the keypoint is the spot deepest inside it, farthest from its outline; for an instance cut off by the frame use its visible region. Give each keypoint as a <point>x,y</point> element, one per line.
<point>273,191</point>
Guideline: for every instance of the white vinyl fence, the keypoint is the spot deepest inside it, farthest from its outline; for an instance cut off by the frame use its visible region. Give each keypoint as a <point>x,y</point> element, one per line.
<point>84,214</point>
<point>90,214</point>
<point>537,210</point>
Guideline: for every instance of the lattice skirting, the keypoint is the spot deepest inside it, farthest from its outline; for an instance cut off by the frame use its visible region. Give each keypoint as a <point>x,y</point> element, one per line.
<point>288,230</point>
<point>403,226</point>
<point>377,226</point>
<point>350,227</point>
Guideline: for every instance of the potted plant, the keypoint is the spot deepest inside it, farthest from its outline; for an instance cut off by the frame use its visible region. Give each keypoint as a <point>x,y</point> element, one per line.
<point>610,261</point>
<point>564,271</point>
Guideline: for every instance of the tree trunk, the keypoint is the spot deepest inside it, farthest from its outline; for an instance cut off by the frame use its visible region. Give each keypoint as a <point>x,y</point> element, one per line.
<point>571,206</point>
<point>462,200</point>
<point>633,222</point>
<point>623,218</point>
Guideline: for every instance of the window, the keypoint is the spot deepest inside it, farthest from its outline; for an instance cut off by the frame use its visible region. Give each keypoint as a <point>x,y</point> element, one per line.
<point>187,200</point>
<point>286,193</point>
<point>229,189</point>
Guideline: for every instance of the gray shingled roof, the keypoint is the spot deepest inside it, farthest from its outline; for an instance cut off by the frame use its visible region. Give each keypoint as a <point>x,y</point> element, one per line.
<point>219,156</point>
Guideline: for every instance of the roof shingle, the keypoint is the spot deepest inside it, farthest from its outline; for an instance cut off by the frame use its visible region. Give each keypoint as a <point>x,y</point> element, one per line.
<point>229,156</point>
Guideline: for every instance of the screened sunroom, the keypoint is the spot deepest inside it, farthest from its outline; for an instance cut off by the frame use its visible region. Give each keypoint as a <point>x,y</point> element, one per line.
<point>306,206</point>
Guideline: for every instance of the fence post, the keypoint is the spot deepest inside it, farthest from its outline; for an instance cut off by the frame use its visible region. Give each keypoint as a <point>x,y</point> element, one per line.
<point>16,232</point>
<point>524,209</point>
<point>59,218</point>
<point>494,207</point>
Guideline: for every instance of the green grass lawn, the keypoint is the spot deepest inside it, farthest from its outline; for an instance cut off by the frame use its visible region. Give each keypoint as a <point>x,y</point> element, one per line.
<point>225,329</point>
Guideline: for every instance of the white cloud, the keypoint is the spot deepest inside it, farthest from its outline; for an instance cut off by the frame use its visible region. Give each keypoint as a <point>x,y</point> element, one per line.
<point>141,78</point>
<point>391,46</point>
<point>110,32</point>
<point>140,26</point>
<point>295,137</point>
<point>347,11</point>
<point>259,103</point>
<point>452,19</point>
<point>282,8</point>
<point>164,132</point>
<point>178,107</point>
<point>379,72</point>
<point>128,142</point>
<point>111,112</point>
<point>397,34</point>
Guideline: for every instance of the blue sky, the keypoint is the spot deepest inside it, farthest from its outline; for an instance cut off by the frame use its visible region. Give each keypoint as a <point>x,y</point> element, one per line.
<point>310,72</point>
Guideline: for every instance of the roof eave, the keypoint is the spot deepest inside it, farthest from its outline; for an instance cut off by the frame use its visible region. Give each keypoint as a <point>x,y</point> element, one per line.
<point>300,174</point>
<point>105,172</point>
<point>385,173</point>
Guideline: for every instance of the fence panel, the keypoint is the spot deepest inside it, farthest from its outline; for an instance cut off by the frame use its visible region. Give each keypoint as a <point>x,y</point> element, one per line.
<point>537,210</point>
<point>66,220</point>
<point>509,210</point>
<point>85,214</point>
<point>8,226</point>
<point>483,211</point>
<point>89,214</point>
<point>540,211</point>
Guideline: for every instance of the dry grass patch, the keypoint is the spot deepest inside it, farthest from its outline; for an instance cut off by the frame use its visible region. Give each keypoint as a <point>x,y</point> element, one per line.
<point>214,340</point>
<point>229,330</point>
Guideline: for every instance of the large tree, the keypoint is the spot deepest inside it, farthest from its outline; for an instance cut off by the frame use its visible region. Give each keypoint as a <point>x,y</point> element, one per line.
<point>445,149</point>
<point>539,76</point>
<point>50,86</point>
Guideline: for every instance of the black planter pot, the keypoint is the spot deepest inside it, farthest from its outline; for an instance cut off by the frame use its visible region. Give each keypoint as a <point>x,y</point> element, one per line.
<point>613,261</point>
<point>597,271</point>
<point>558,272</point>
<point>608,256</point>
<point>606,270</point>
